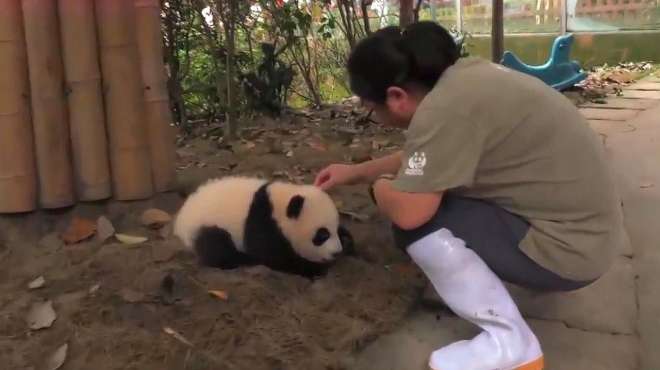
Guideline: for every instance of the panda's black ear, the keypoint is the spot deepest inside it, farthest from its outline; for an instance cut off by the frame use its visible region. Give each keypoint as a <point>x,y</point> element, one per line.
<point>295,206</point>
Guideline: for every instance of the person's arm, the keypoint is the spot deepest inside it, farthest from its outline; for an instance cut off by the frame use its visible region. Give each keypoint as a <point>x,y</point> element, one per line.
<point>370,170</point>
<point>365,172</point>
<point>406,210</point>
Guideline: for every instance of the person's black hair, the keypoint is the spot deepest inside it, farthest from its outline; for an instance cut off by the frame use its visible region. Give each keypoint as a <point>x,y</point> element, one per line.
<point>395,57</point>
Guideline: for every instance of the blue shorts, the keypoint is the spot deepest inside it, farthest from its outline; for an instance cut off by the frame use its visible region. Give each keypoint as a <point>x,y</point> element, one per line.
<point>494,234</point>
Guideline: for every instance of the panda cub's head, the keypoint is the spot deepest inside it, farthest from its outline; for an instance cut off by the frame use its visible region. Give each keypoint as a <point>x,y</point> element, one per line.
<point>309,219</point>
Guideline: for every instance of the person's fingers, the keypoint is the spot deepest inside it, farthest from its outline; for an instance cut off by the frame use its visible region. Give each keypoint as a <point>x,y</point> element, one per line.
<point>326,185</point>
<point>322,177</point>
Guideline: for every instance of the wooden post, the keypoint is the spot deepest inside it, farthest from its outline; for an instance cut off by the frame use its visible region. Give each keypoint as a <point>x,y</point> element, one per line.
<point>18,177</point>
<point>124,100</point>
<point>406,15</point>
<point>497,33</point>
<point>159,117</point>
<point>87,121</point>
<point>50,117</point>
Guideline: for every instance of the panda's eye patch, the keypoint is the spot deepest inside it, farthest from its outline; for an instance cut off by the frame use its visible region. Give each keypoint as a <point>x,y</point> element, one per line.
<point>321,236</point>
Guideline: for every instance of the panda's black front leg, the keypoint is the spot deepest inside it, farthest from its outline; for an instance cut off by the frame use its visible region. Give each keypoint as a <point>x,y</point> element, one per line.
<point>215,248</point>
<point>347,242</point>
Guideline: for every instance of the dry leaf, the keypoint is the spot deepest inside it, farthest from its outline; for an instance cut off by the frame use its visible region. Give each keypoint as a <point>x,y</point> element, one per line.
<point>37,283</point>
<point>165,231</point>
<point>94,289</point>
<point>177,336</point>
<point>41,315</point>
<point>79,229</point>
<point>56,360</point>
<point>130,295</point>
<point>316,143</point>
<point>155,218</point>
<point>104,229</point>
<point>281,174</point>
<point>356,216</point>
<point>130,239</point>
<point>219,294</point>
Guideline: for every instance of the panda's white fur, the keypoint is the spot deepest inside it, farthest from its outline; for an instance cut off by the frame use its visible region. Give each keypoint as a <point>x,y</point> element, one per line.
<point>225,203</point>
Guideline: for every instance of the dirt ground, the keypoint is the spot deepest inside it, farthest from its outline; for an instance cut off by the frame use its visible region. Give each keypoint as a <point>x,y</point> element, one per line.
<point>147,305</point>
<point>121,306</point>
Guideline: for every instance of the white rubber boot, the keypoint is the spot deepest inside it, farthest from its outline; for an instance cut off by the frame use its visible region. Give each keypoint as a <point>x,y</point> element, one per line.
<point>472,291</point>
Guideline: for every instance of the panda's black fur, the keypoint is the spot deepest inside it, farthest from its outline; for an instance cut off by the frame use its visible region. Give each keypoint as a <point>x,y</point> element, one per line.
<point>264,241</point>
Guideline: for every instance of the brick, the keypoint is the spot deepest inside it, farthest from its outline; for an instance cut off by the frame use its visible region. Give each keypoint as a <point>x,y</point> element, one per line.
<point>640,94</point>
<point>608,114</point>
<point>606,306</point>
<point>645,85</point>
<point>620,103</point>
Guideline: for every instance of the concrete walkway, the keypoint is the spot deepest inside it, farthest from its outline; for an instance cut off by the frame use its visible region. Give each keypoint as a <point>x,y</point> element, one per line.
<point>612,325</point>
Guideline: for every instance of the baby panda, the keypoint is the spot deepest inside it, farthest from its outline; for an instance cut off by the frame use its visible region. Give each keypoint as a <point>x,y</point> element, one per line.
<point>237,221</point>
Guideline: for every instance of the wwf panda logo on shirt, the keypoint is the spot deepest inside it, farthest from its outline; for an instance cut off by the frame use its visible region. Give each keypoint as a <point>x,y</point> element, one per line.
<point>416,164</point>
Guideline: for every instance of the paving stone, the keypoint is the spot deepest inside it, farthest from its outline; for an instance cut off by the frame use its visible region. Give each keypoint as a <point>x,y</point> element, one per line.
<point>621,103</point>
<point>409,347</point>
<point>608,306</point>
<point>608,114</point>
<point>606,127</point>
<point>635,160</point>
<point>573,349</point>
<point>640,94</point>
<point>644,85</point>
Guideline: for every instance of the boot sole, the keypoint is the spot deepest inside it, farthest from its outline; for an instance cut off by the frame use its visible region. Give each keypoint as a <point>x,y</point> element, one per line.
<point>538,364</point>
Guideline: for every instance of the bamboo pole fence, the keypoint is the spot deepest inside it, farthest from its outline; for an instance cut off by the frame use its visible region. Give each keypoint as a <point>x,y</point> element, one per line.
<point>84,106</point>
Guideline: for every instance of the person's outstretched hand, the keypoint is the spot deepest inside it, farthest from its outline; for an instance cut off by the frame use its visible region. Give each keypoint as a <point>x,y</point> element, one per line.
<point>336,174</point>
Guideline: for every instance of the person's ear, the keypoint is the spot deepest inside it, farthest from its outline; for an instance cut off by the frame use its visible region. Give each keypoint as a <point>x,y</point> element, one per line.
<point>396,99</point>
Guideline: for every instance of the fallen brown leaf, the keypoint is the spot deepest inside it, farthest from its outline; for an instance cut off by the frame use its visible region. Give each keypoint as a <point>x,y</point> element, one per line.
<point>37,283</point>
<point>41,315</point>
<point>177,336</point>
<point>316,143</point>
<point>56,360</point>
<point>155,218</point>
<point>219,294</point>
<point>130,239</point>
<point>79,229</point>
<point>104,229</point>
<point>94,288</point>
<point>356,216</point>
<point>165,231</point>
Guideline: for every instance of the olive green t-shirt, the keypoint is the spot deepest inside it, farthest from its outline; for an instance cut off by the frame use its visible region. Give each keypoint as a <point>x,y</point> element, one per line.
<point>488,132</point>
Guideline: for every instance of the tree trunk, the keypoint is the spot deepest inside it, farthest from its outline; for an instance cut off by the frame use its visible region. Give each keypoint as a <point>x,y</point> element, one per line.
<point>174,80</point>
<point>228,11</point>
<point>159,117</point>
<point>124,98</point>
<point>434,10</point>
<point>85,98</point>
<point>365,15</point>
<point>416,10</point>
<point>497,33</point>
<point>347,21</point>
<point>18,174</point>
<point>406,15</point>
<point>50,116</point>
